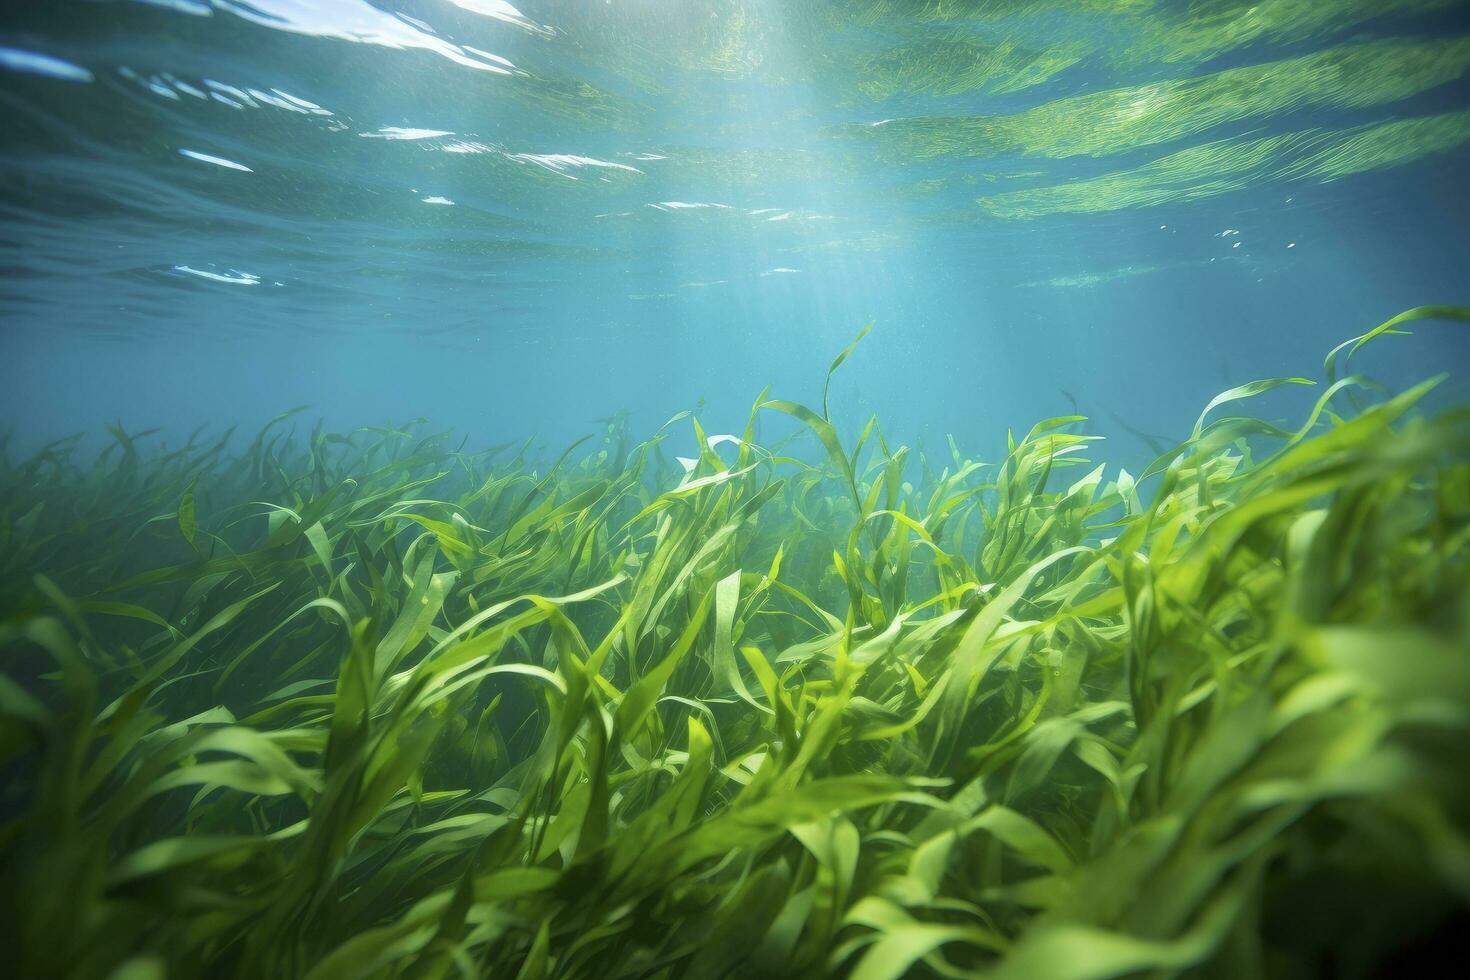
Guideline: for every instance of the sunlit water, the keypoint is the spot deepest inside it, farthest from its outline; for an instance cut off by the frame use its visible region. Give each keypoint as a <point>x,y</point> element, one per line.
<point>514,219</point>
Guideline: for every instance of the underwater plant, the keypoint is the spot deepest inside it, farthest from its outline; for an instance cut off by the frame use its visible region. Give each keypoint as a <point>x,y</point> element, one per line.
<point>367,704</point>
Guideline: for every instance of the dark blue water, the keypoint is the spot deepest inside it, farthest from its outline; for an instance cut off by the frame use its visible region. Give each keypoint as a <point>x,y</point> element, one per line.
<point>514,219</point>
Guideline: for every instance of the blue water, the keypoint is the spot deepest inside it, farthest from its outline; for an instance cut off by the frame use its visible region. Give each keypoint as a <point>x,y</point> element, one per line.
<point>516,219</point>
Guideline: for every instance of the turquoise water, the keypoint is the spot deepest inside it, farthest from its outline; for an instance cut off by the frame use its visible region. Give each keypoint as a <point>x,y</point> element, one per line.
<point>516,219</point>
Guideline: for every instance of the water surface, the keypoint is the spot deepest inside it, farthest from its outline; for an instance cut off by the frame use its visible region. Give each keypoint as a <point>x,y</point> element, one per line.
<point>517,218</point>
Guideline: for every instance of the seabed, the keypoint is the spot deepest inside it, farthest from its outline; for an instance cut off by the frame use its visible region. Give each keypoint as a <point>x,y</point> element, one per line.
<point>369,705</point>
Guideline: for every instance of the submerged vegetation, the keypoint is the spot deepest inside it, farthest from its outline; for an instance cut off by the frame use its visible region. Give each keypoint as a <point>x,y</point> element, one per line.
<point>1213,169</point>
<point>370,705</point>
<point>1124,119</point>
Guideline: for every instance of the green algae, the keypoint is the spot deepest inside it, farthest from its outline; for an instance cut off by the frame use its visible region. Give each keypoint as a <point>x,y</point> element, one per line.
<point>1213,169</point>
<point>1117,121</point>
<point>1149,31</point>
<point>958,64</point>
<point>941,71</point>
<point>370,704</point>
<point>1198,31</point>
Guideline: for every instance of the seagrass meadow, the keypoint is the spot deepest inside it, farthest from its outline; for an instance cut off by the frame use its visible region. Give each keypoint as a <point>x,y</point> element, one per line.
<point>367,704</point>
<point>779,489</point>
